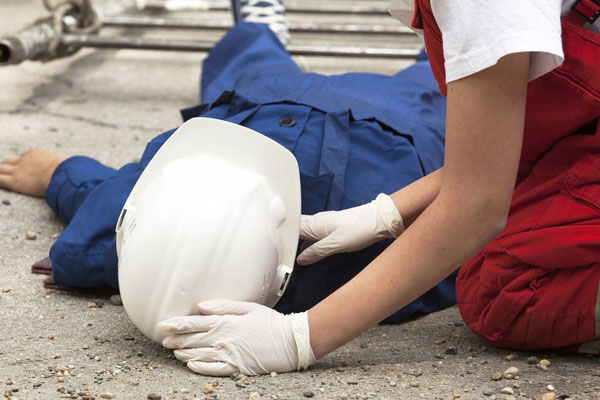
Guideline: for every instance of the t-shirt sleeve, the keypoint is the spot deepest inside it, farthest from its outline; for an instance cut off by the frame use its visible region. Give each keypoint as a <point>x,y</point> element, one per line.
<point>477,33</point>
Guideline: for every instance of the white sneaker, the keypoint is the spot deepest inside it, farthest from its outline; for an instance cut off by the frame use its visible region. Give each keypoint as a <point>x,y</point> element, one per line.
<point>270,12</point>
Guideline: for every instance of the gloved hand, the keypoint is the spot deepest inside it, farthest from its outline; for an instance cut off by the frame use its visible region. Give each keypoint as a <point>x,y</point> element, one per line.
<point>235,336</point>
<point>349,230</point>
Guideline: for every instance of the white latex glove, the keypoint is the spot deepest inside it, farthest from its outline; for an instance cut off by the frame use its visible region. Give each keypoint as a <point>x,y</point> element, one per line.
<point>235,336</point>
<point>349,230</point>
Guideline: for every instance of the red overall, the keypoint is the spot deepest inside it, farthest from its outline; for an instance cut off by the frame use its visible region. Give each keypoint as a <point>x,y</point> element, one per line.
<point>537,284</point>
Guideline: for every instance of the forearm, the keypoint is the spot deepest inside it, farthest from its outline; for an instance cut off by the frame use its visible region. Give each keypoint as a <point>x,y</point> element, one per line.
<point>475,190</point>
<point>416,197</point>
<point>435,245</point>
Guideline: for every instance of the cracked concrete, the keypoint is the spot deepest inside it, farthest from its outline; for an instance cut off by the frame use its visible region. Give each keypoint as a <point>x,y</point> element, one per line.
<point>107,104</point>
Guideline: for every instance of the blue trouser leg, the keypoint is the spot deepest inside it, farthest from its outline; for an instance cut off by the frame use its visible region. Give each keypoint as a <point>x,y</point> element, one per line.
<point>246,53</point>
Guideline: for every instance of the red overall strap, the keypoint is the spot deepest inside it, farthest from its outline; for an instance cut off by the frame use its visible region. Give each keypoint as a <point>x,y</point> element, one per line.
<point>588,9</point>
<point>424,19</point>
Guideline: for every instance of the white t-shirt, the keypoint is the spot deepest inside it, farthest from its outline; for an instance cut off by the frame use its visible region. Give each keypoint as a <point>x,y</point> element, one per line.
<point>478,33</point>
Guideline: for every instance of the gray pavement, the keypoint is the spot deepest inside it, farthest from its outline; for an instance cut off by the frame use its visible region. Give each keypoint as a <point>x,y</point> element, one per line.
<point>107,104</point>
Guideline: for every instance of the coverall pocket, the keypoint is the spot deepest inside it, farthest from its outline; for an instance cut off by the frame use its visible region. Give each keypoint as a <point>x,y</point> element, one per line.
<point>281,122</point>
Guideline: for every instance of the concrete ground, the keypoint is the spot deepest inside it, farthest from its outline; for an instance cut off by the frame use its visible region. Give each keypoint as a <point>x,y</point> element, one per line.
<point>107,104</point>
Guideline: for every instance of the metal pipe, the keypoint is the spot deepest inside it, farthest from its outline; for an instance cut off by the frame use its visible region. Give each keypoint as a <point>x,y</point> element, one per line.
<point>120,42</point>
<point>199,5</point>
<point>304,27</point>
<point>33,42</point>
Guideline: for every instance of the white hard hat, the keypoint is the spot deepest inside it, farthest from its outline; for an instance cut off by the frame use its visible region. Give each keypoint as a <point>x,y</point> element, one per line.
<point>215,214</point>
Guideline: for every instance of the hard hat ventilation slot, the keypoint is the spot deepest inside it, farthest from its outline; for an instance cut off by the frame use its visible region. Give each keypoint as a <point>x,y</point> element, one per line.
<point>121,219</point>
<point>284,281</point>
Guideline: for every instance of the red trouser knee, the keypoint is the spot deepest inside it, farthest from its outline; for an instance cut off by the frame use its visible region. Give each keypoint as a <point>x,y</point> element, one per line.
<point>537,284</point>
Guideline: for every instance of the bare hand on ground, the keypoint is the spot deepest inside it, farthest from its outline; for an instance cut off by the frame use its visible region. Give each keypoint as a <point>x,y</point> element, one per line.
<point>31,173</point>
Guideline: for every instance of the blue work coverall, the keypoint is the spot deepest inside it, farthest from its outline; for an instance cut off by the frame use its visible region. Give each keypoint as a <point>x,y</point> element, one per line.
<point>354,136</point>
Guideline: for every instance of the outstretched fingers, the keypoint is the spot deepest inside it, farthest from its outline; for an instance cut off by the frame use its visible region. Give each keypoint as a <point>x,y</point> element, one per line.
<point>7,178</point>
<point>11,161</point>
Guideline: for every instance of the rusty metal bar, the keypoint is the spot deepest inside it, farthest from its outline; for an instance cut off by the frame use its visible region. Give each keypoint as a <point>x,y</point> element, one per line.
<point>304,27</point>
<point>120,42</point>
<point>33,42</point>
<point>199,5</point>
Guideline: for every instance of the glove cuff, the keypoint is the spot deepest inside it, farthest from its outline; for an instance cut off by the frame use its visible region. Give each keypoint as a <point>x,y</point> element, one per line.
<point>389,215</point>
<point>301,332</point>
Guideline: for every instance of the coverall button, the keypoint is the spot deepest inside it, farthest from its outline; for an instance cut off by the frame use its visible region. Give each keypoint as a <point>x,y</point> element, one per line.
<point>287,121</point>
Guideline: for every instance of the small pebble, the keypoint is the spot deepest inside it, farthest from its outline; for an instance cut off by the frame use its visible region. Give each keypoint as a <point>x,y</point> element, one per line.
<point>440,341</point>
<point>30,235</point>
<point>99,304</point>
<point>414,384</point>
<point>50,337</point>
<point>511,357</point>
<point>9,381</point>
<point>542,367</point>
<point>116,300</point>
<point>208,389</point>
<point>532,360</point>
<point>86,346</point>
<point>496,376</point>
<point>451,350</point>
<point>108,395</point>
<point>393,383</point>
<point>154,396</point>
<point>510,373</point>
<point>363,346</point>
<point>273,374</point>
<point>308,393</point>
<point>511,398</point>
<point>487,392</point>
<point>550,388</point>
<point>549,396</point>
<point>92,305</point>
<point>352,381</point>
<point>456,396</point>
<point>60,379</point>
<point>507,390</point>
<point>254,396</point>
<point>545,363</point>
<point>6,202</point>
<point>5,290</point>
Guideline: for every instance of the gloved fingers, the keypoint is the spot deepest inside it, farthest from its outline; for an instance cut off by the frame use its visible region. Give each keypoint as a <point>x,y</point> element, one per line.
<point>212,368</point>
<point>305,245</point>
<point>227,307</point>
<point>188,341</point>
<point>316,252</point>
<point>206,354</point>
<point>188,324</point>
<point>318,226</point>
